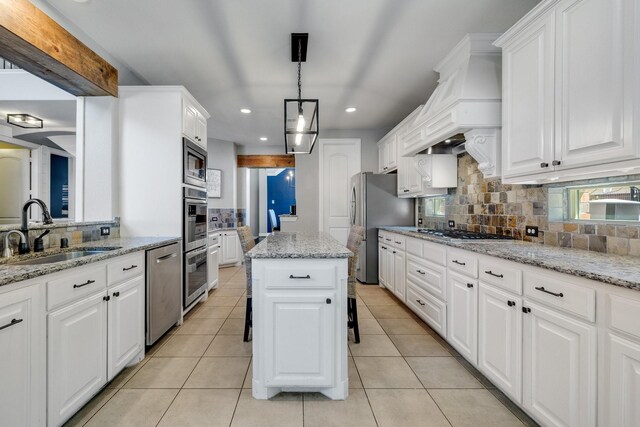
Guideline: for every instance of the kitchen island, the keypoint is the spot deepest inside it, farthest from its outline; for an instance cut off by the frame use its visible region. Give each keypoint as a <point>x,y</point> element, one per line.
<point>300,315</point>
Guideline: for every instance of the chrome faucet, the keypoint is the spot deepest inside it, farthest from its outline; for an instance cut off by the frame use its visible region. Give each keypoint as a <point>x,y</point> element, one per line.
<point>46,219</point>
<point>8,252</point>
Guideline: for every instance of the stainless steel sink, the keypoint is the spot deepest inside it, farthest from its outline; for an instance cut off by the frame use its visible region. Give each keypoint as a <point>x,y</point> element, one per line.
<point>63,256</point>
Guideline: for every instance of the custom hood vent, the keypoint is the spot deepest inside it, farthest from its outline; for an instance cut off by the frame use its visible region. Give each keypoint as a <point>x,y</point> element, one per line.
<point>467,100</point>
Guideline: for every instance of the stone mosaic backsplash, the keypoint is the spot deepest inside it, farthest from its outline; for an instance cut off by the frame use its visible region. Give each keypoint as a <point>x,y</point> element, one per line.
<point>492,207</point>
<point>226,217</point>
<point>76,233</point>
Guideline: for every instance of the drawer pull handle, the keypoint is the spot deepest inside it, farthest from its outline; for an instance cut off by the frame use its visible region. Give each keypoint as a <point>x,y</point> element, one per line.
<point>88,282</point>
<point>542,289</point>
<point>13,322</point>
<point>544,165</point>
<point>291,276</point>
<point>398,243</point>
<point>394,252</point>
<point>469,285</point>
<point>421,272</point>
<point>511,303</point>
<point>166,257</point>
<point>420,302</point>
<point>455,261</point>
<point>388,240</point>
<point>494,274</point>
<point>129,268</point>
<point>556,163</point>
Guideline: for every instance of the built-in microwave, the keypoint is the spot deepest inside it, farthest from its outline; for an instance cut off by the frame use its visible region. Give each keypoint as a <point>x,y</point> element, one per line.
<point>195,164</point>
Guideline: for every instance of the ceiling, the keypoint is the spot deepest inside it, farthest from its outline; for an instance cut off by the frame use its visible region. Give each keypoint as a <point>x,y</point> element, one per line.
<point>376,55</point>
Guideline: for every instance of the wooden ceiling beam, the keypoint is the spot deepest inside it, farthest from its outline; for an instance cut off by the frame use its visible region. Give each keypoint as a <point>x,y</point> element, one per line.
<point>36,43</point>
<point>266,161</point>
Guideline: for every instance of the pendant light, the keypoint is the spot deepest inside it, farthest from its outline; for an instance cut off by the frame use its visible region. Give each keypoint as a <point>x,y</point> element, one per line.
<point>300,115</point>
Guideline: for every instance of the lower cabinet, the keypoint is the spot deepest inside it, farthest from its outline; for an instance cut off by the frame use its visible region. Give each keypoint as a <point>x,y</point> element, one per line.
<point>382,265</point>
<point>299,339</point>
<point>213,263</point>
<point>230,250</point>
<point>23,357</point>
<point>622,373</point>
<point>399,275</point>
<point>462,315</point>
<point>500,339</point>
<point>77,356</point>
<point>559,367</point>
<point>429,308</point>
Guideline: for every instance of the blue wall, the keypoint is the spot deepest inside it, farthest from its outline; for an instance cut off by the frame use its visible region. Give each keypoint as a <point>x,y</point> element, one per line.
<point>59,203</point>
<point>281,194</point>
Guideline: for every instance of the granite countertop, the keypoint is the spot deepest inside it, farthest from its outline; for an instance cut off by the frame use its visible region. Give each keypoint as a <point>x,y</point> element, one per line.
<point>299,245</point>
<point>606,268</point>
<point>10,273</point>
<point>57,224</point>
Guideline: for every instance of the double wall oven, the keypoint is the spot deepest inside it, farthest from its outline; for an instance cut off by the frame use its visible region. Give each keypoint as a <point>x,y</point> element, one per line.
<point>194,222</point>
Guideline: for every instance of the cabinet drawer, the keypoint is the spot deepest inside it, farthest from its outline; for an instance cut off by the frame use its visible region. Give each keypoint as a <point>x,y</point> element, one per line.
<point>72,286</point>
<point>463,262</point>
<point>575,299</point>
<point>429,308</point>
<point>123,268</point>
<point>301,276</point>
<point>428,276</point>
<point>387,238</point>
<point>430,251</point>
<point>501,274</point>
<point>398,241</point>
<point>414,246</point>
<point>623,314</point>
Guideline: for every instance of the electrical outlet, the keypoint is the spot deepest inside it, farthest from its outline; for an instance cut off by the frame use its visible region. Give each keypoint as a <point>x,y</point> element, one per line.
<point>419,221</point>
<point>531,231</point>
<point>214,219</point>
<point>452,224</point>
<point>105,231</point>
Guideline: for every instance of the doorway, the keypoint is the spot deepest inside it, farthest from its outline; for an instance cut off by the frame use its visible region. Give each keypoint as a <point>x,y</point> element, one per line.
<point>281,195</point>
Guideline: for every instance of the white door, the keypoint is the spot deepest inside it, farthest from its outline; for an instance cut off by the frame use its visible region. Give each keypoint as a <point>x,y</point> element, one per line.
<point>300,339</point>
<point>230,247</point>
<point>212,266</point>
<point>399,278</point>
<point>390,271</point>
<point>527,102</point>
<point>462,316</point>
<point>413,177</point>
<point>559,366</point>
<point>126,317</point>
<point>393,152</point>
<point>339,161</point>
<point>189,121</point>
<point>623,375</point>
<point>382,265</point>
<point>14,191</point>
<point>594,77</point>
<point>500,339</point>
<point>381,158</point>
<point>201,131</point>
<point>77,356</point>
<point>22,352</point>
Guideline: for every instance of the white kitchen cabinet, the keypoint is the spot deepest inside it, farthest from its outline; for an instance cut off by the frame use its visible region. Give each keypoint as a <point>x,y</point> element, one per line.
<point>570,91</point>
<point>201,130</point>
<point>500,339</point>
<point>77,356</point>
<point>382,265</point>
<point>622,381</point>
<point>427,175</point>
<point>23,356</point>
<point>194,123</point>
<point>291,320</point>
<point>230,250</point>
<point>430,309</point>
<point>126,324</point>
<point>388,153</point>
<point>559,367</point>
<point>399,274</point>
<point>213,260</point>
<point>462,315</point>
<point>389,280</point>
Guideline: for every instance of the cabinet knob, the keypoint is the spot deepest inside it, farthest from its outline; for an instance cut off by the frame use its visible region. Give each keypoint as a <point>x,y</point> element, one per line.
<point>544,165</point>
<point>469,285</point>
<point>511,303</point>
<point>116,294</point>
<point>556,163</point>
<point>328,300</point>
<point>526,310</point>
<point>107,298</point>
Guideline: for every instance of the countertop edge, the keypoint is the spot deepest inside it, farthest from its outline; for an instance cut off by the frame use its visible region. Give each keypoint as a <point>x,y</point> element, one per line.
<point>481,248</point>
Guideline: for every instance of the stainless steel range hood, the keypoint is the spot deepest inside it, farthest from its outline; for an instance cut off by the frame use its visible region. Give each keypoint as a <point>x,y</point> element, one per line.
<point>467,100</point>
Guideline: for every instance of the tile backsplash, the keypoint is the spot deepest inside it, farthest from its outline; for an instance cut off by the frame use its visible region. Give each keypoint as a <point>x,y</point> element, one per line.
<point>226,217</point>
<point>493,207</point>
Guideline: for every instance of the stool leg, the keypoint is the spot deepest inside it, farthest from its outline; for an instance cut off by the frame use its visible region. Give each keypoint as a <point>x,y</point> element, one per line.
<point>248,317</point>
<point>354,320</point>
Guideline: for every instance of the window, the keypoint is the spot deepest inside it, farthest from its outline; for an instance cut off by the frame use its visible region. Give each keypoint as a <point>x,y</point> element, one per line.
<point>433,206</point>
<point>607,202</point>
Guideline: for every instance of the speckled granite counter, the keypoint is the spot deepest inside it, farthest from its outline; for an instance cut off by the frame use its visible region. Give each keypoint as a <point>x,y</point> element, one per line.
<point>612,269</point>
<point>299,245</point>
<point>10,273</point>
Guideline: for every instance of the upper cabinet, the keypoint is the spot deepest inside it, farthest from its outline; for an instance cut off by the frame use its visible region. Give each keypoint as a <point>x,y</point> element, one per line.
<point>388,153</point>
<point>427,174</point>
<point>194,123</point>
<point>570,91</point>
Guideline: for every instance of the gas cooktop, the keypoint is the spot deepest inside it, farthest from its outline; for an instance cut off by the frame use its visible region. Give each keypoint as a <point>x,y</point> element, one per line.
<point>461,234</point>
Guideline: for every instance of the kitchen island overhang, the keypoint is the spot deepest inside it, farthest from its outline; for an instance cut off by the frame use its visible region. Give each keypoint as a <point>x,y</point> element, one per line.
<point>299,321</point>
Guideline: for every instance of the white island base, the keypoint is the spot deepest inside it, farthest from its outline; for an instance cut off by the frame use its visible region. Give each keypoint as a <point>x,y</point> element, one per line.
<point>300,326</point>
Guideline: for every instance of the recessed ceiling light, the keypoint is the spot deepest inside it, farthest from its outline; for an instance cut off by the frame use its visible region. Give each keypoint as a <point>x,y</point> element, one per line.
<point>245,110</point>
<point>263,138</point>
<point>350,110</point>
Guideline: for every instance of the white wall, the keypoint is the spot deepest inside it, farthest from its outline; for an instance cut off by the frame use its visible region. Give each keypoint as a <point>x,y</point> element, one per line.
<point>222,155</point>
<point>261,149</point>
<point>308,173</point>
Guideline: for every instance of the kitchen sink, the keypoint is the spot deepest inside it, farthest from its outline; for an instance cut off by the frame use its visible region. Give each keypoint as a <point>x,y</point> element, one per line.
<point>64,256</point>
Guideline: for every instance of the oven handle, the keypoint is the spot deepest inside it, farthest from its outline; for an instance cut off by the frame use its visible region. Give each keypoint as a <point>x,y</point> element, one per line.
<point>195,201</point>
<point>195,253</point>
<point>166,257</point>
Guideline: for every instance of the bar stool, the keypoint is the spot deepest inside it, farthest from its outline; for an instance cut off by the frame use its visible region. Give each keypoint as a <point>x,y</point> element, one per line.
<point>247,242</point>
<point>356,234</point>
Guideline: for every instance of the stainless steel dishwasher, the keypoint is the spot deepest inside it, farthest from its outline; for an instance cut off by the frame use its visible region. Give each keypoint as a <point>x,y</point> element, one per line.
<point>164,290</point>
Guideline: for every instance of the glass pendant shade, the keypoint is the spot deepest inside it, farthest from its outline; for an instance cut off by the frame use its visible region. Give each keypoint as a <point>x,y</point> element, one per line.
<point>300,125</point>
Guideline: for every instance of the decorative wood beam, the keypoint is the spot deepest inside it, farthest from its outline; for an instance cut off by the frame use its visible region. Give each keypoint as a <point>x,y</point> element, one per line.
<point>39,45</point>
<point>266,161</point>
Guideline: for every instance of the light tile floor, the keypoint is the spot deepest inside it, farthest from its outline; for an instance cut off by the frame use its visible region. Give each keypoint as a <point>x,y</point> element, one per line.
<point>401,374</point>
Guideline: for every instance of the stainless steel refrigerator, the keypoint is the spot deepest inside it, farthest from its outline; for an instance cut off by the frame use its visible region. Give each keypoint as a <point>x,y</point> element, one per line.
<point>375,203</point>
